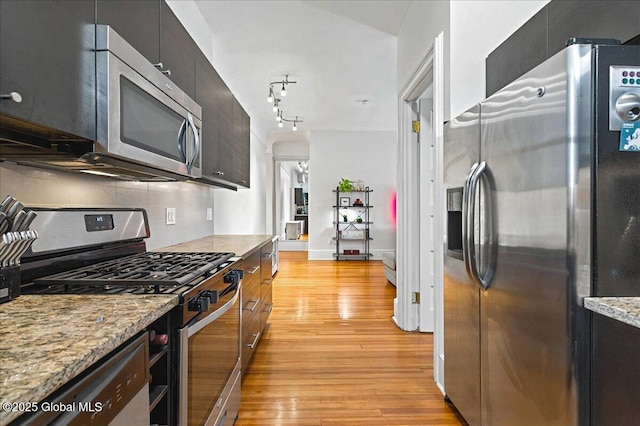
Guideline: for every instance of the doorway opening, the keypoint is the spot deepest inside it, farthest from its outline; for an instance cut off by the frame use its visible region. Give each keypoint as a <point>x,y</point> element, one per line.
<point>291,182</point>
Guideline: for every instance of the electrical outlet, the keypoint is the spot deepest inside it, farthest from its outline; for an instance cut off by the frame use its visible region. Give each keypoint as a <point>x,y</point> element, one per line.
<point>170,216</point>
<point>209,214</point>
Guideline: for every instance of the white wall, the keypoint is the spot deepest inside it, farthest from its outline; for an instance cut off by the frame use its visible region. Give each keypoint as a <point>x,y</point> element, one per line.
<point>472,29</point>
<point>477,28</point>
<point>244,211</point>
<point>424,21</point>
<point>366,155</point>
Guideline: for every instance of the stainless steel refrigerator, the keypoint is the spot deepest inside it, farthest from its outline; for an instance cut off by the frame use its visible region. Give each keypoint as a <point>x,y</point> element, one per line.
<point>543,208</point>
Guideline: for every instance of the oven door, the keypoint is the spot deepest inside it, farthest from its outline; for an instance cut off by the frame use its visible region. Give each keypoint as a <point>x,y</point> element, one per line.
<point>210,365</point>
<point>139,118</point>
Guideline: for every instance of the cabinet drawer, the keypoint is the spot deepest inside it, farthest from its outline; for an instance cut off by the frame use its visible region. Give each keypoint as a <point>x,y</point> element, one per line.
<point>266,305</point>
<point>250,338</point>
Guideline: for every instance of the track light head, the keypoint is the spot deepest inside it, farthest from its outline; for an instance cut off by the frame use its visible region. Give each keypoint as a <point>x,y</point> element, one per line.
<point>270,96</point>
<point>283,92</point>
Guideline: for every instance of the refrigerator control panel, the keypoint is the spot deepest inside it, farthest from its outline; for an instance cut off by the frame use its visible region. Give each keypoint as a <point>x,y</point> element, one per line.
<point>624,96</point>
<point>627,76</point>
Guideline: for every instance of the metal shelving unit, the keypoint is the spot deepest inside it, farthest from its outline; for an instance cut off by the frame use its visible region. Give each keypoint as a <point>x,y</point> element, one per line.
<point>358,232</point>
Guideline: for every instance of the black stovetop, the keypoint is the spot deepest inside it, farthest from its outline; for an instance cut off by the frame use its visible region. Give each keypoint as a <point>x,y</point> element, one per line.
<point>149,272</point>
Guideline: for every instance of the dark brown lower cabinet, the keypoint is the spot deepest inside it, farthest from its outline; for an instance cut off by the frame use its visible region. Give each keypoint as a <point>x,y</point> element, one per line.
<point>615,373</point>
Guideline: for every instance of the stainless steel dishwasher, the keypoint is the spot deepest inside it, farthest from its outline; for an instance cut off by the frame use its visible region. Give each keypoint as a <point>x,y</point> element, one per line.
<point>115,393</point>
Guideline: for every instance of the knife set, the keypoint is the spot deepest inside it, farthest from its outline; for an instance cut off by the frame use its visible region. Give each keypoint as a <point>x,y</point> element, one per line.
<point>15,240</point>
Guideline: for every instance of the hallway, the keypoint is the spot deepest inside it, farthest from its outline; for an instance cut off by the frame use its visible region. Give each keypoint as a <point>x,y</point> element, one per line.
<point>332,355</point>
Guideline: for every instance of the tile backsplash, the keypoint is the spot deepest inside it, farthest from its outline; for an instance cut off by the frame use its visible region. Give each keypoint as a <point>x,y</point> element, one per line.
<point>45,188</point>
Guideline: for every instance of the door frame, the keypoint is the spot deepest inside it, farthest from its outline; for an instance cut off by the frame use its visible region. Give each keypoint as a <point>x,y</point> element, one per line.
<point>406,313</point>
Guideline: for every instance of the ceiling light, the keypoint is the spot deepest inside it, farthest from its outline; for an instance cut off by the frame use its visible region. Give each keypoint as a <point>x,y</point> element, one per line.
<point>295,122</point>
<point>276,102</point>
<point>280,124</point>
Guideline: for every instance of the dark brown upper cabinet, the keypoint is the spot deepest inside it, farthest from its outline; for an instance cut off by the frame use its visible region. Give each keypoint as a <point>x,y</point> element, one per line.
<point>153,30</point>
<point>47,56</point>
<point>225,128</point>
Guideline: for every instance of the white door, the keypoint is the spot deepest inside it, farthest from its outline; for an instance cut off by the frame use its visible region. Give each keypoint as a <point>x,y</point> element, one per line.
<point>429,249</point>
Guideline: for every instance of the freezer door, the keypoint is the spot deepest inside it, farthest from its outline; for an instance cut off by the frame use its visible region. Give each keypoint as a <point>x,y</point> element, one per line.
<point>527,313</point>
<point>461,295</point>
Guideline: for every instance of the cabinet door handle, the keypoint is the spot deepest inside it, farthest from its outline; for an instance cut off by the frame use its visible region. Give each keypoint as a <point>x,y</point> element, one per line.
<point>269,309</point>
<point>14,96</point>
<point>159,65</point>
<point>255,305</point>
<point>256,337</point>
<point>219,173</point>
<point>268,255</point>
<point>254,270</point>
<point>166,72</point>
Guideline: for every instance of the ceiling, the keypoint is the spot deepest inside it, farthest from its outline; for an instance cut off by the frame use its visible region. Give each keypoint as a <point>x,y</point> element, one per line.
<point>339,52</point>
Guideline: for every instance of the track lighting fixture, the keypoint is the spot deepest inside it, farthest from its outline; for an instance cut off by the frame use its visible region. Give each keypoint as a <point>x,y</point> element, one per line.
<point>295,122</point>
<point>276,102</point>
<point>283,91</point>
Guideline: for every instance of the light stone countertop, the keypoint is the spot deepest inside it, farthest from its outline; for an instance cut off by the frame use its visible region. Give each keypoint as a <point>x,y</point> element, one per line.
<point>46,340</point>
<point>624,309</point>
<point>241,245</point>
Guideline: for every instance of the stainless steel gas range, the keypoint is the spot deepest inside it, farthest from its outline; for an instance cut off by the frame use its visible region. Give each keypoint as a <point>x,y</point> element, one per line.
<point>102,251</point>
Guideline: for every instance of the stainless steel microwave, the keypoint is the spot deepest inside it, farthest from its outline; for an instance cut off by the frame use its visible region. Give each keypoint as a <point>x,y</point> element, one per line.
<point>142,115</point>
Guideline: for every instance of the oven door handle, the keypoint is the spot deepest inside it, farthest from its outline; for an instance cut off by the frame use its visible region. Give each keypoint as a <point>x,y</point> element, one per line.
<point>199,325</point>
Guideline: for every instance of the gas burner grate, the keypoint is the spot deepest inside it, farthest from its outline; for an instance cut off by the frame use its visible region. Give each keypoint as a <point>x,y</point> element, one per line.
<point>145,270</point>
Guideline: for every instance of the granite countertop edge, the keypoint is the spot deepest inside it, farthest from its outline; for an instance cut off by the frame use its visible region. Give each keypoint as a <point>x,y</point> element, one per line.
<point>17,384</point>
<point>241,245</point>
<point>623,309</point>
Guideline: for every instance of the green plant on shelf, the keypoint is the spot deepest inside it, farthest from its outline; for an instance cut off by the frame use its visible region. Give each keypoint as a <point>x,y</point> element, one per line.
<point>345,185</point>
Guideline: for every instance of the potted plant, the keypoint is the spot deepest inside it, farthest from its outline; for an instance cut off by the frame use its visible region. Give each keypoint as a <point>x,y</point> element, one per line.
<point>359,219</point>
<point>345,185</point>
<point>345,217</point>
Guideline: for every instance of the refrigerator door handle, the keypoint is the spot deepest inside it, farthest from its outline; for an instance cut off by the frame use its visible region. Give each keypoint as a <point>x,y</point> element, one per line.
<point>471,261</point>
<point>467,226</point>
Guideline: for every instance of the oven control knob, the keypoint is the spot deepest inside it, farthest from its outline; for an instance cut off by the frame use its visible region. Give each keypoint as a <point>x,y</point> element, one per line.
<point>200,304</point>
<point>211,294</point>
<point>234,276</point>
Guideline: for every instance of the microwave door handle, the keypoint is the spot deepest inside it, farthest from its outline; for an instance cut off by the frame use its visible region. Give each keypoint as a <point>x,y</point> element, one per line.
<point>196,142</point>
<point>181,142</point>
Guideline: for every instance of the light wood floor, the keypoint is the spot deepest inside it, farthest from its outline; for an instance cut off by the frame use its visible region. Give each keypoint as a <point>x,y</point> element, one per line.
<point>332,355</point>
